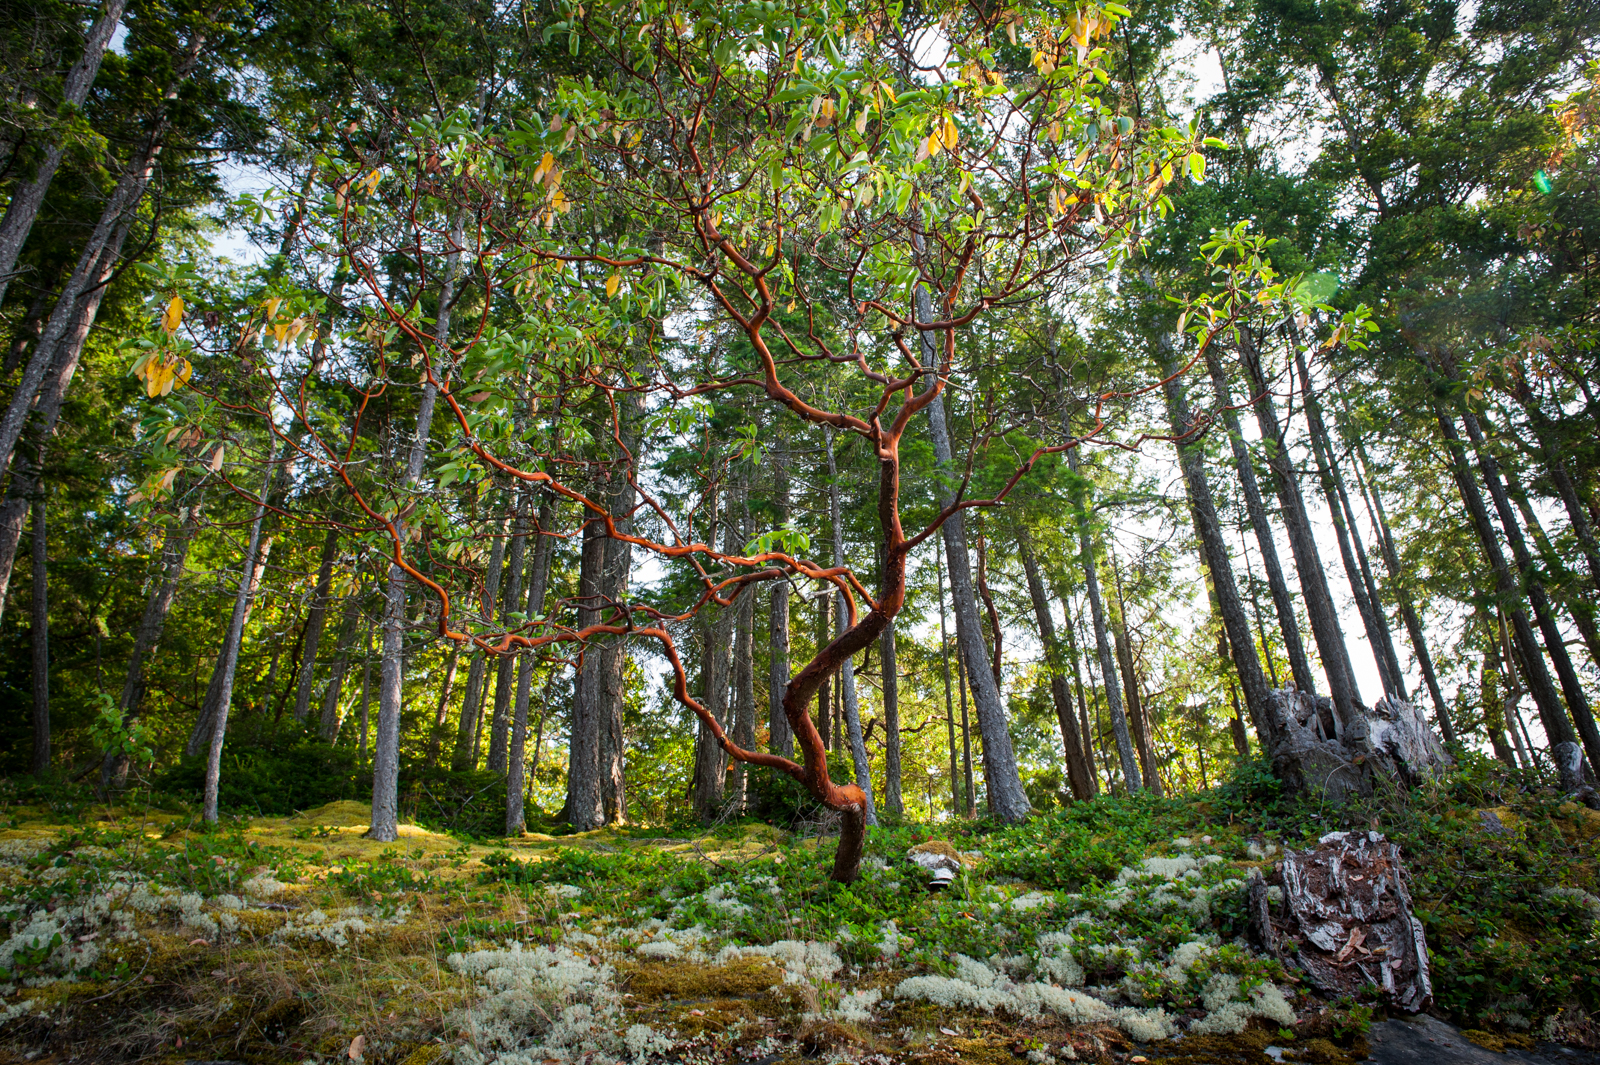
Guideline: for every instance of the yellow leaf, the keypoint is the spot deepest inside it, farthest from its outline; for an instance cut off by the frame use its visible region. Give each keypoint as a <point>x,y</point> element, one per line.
<point>861,121</point>
<point>935,145</point>
<point>612,284</point>
<point>638,135</point>
<point>949,132</point>
<point>372,181</point>
<point>271,307</point>
<point>172,317</point>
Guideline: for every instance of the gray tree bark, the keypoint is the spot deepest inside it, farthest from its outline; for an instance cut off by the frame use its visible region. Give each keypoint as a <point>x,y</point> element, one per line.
<point>847,671</point>
<point>40,639</point>
<point>506,666</point>
<point>1554,640</point>
<point>1097,613</point>
<point>385,826</point>
<point>1307,561</point>
<point>956,805</point>
<point>332,720</point>
<point>1408,612</point>
<point>1007,800</point>
<point>469,729</point>
<point>585,804</point>
<point>255,558</point>
<point>780,738</point>
<point>1353,555</point>
<point>174,552</point>
<point>538,580</point>
<point>94,266</point>
<point>315,621</point>
<point>1282,600</point>
<point>28,196</point>
<point>65,348</point>
<point>1551,712</point>
<point>1078,774</point>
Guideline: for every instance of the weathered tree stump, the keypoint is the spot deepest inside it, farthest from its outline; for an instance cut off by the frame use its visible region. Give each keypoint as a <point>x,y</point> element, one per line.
<point>1342,914</point>
<point>1320,757</point>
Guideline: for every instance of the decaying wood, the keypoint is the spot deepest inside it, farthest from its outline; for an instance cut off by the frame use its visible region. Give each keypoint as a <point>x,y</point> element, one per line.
<point>1341,913</point>
<point>1319,756</point>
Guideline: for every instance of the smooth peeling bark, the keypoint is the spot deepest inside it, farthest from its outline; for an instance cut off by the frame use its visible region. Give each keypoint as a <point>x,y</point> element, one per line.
<point>1108,668</point>
<point>1078,773</point>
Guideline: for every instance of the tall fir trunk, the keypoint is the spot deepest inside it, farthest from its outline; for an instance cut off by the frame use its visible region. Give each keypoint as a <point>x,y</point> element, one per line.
<point>711,765</point>
<point>822,637</point>
<point>315,621</point>
<point>39,637</point>
<point>1138,721</point>
<point>27,196</point>
<point>1351,554</point>
<point>1555,462</point>
<point>255,557</point>
<point>743,681</point>
<point>613,653</point>
<point>585,807</point>
<point>780,737</point>
<point>1084,731</point>
<point>1408,611</point>
<point>1266,543</point>
<point>1078,774</point>
<point>518,773</point>
<point>61,343</point>
<point>956,806</point>
<point>385,826</point>
<point>849,701</point>
<point>164,589</point>
<point>1318,599</point>
<point>469,730</point>
<point>1214,551</point>
<point>1007,800</point>
<point>1554,640</point>
<point>1577,603</point>
<point>1557,728</point>
<point>441,713</point>
<point>1097,611</point>
<point>62,362</point>
<point>506,665</point>
<point>332,720</point>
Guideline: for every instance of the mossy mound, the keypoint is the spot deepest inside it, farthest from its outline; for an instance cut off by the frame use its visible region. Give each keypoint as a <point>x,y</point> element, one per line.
<point>693,982</point>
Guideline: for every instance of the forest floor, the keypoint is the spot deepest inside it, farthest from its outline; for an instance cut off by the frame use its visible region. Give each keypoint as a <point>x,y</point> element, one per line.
<point>1108,931</point>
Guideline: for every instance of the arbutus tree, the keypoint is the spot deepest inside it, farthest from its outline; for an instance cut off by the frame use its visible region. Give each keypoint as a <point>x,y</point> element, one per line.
<point>845,191</point>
